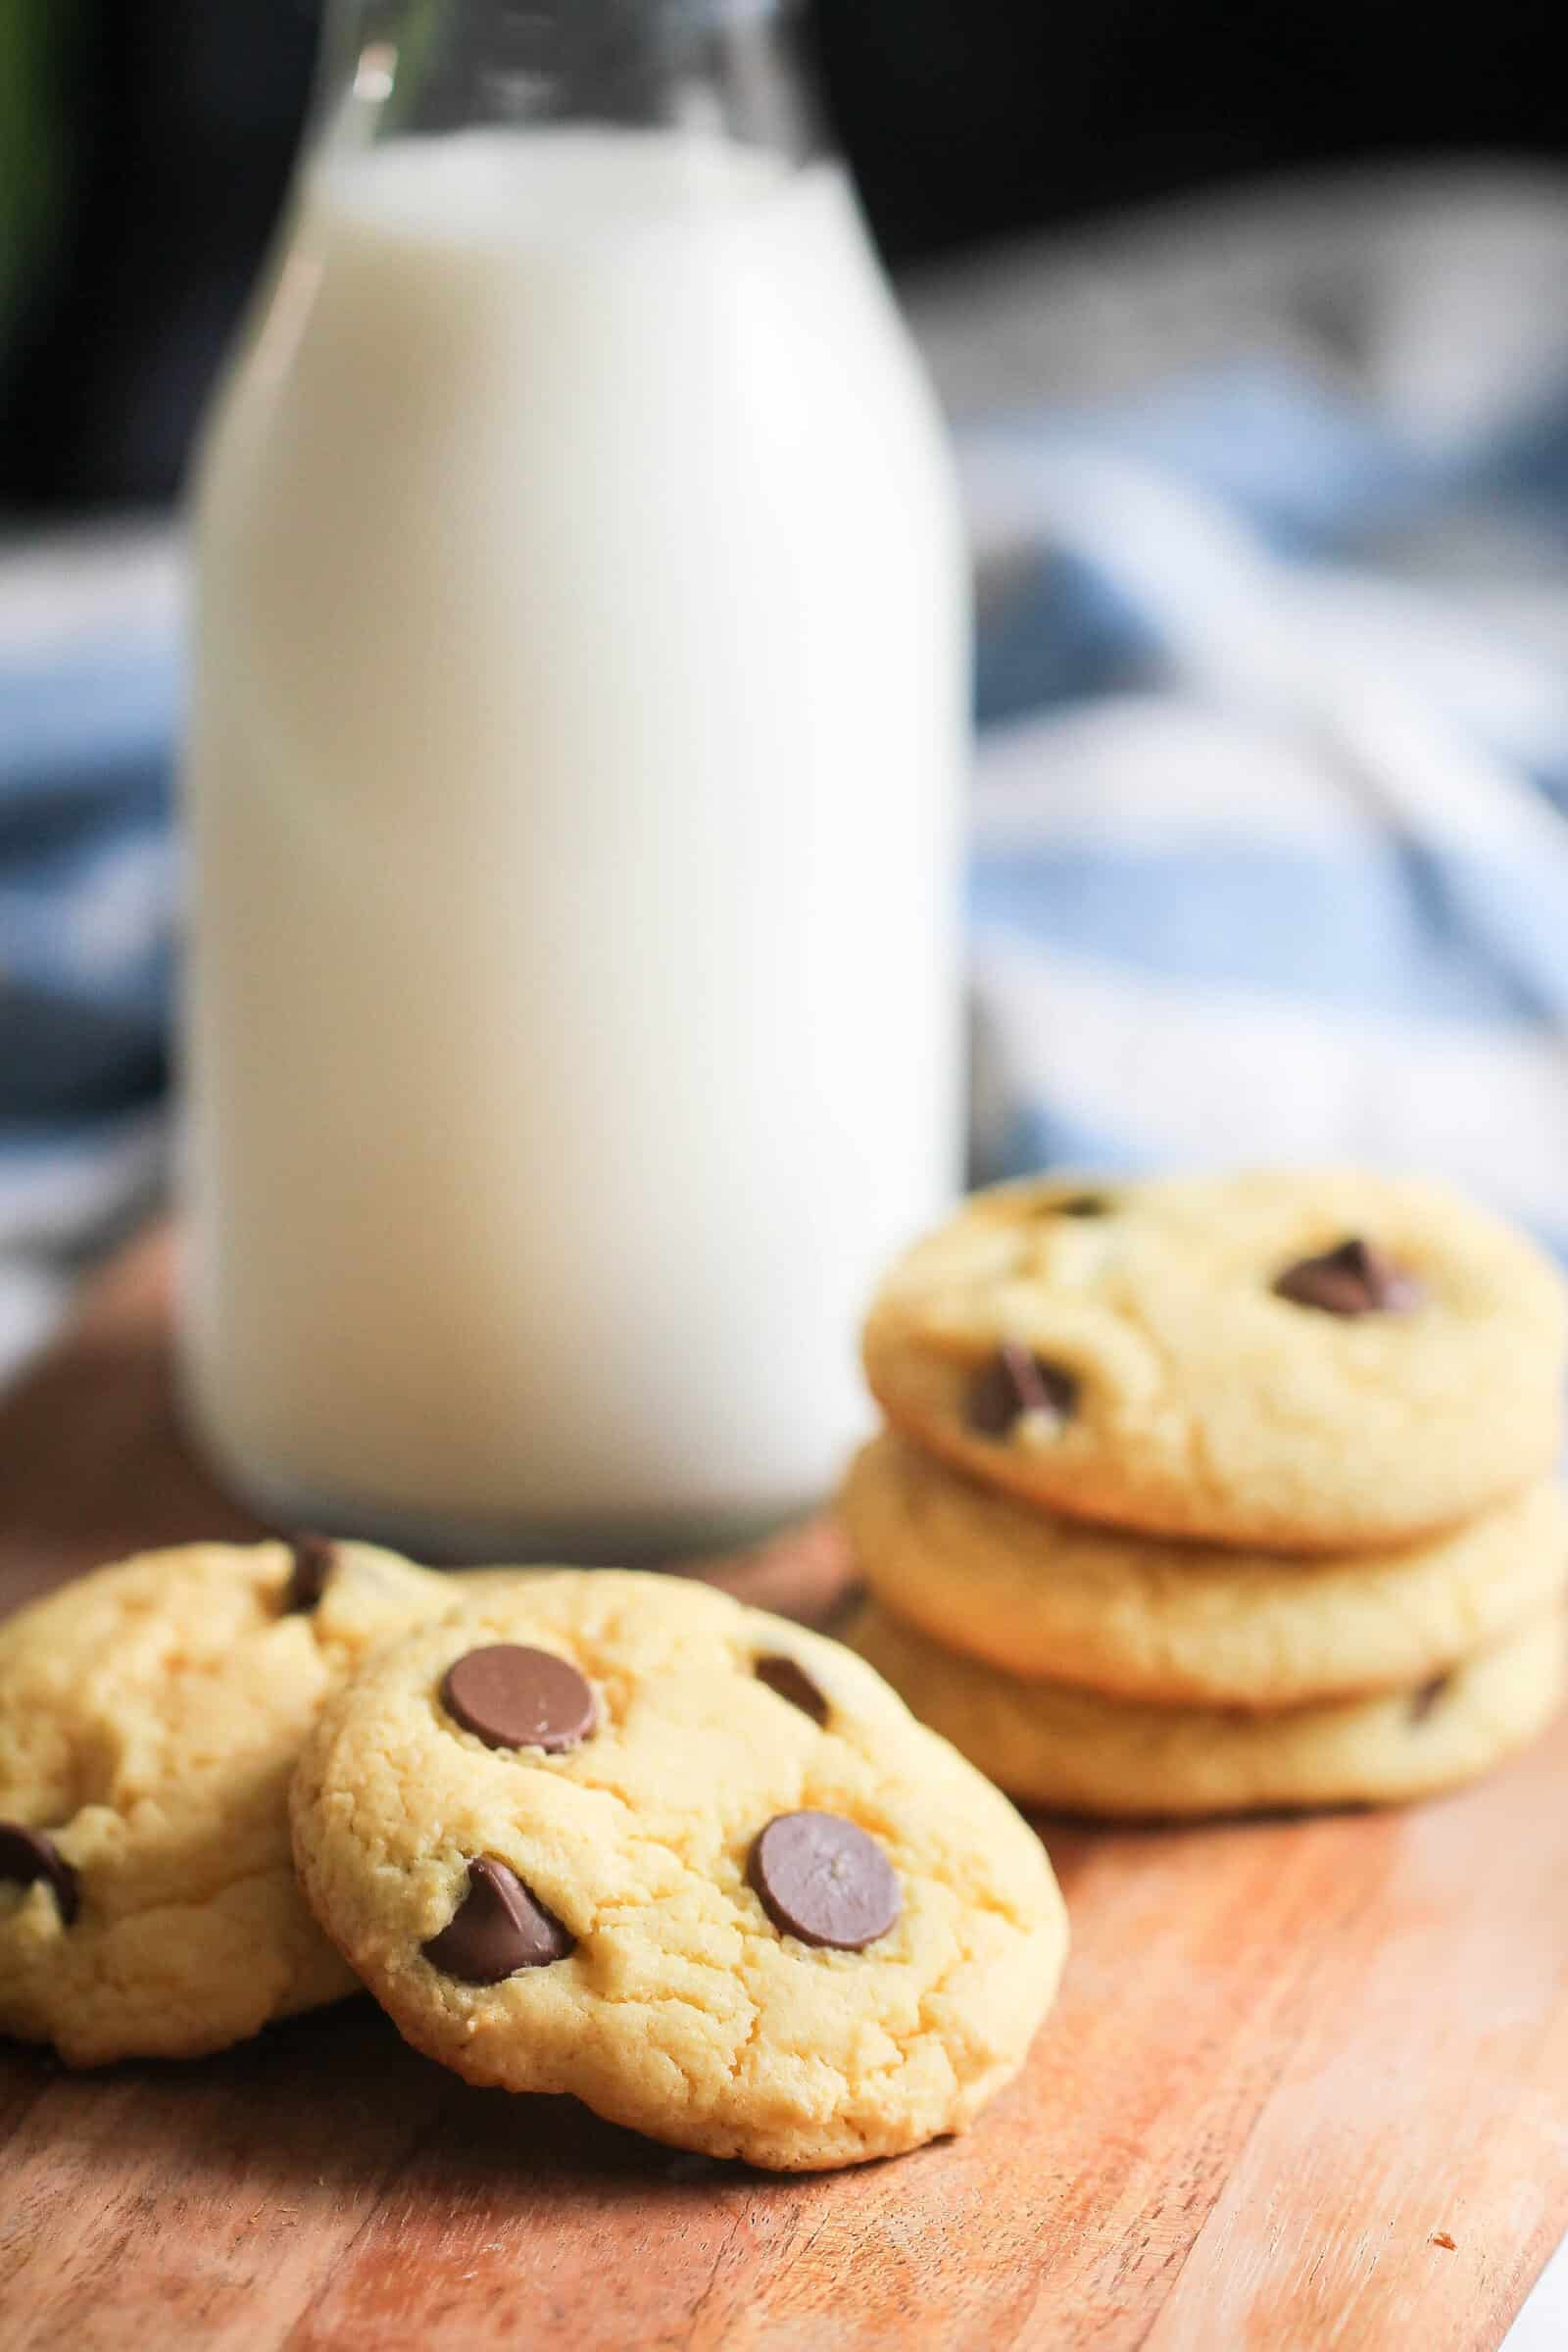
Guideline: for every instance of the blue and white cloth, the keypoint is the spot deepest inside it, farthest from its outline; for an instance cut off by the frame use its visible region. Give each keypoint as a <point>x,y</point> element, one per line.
<point>89,703</point>
<point>1276,864</point>
<point>1270,850</point>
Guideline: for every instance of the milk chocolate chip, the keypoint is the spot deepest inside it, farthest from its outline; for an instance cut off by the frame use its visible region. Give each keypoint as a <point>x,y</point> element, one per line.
<point>509,1697</point>
<point>1423,1701</point>
<point>793,1682</point>
<point>821,1878</point>
<point>1014,1383</point>
<point>1355,1279</point>
<point>498,1928</point>
<point>1085,1204</point>
<point>28,1854</point>
<point>313,1559</point>
<point>1072,1205</point>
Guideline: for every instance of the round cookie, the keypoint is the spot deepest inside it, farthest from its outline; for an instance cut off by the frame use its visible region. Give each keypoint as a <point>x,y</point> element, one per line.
<point>731,1894</point>
<point>1313,1362</point>
<point>151,1715</point>
<point>1078,1752</point>
<point>1174,1624</point>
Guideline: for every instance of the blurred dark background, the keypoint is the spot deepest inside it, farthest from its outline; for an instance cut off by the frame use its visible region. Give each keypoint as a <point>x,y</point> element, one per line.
<point>145,145</point>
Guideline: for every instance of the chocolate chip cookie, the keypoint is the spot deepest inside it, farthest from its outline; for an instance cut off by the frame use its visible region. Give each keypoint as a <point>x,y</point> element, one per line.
<point>150,1717</point>
<point>1186,1624</point>
<point>1315,1361</point>
<point>1083,1753</point>
<point>620,1836</point>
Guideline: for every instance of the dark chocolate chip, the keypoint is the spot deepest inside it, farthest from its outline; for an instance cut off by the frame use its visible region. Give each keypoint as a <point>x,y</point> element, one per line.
<point>315,1557</point>
<point>1355,1279</point>
<point>28,1854</point>
<point>1014,1383</point>
<point>1084,1205</point>
<point>1423,1701</point>
<point>498,1928</point>
<point>793,1682</point>
<point>821,1878</point>
<point>509,1697</point>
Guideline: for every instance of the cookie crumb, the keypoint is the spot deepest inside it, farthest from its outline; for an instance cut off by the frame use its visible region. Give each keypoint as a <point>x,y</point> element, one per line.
<point>1440,2238</point>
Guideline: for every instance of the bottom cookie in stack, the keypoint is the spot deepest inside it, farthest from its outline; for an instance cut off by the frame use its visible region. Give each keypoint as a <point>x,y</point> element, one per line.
<point>1075,1752</point>
<point>1106,1673</point>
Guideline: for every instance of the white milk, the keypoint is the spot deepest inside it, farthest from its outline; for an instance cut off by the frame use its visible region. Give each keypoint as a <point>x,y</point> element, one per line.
<point>580,722</point>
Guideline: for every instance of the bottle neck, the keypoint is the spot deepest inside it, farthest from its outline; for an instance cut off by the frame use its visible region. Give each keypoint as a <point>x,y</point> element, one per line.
<point>727,68</point>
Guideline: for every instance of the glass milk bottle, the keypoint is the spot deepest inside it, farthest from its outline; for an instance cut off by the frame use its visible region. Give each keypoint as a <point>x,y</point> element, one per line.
<point>579,724</point>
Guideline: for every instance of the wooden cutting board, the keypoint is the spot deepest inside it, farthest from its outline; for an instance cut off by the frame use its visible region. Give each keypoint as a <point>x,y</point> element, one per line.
<point>1307,2085</point>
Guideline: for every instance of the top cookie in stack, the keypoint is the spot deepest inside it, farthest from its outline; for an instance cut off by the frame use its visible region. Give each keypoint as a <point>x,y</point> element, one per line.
<point>1334,1398</point>
<point>1310,1362</point>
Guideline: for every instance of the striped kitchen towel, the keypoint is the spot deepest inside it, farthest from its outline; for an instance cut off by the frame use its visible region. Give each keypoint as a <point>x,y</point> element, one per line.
<point>89,692</point>
<point>1271,840</point>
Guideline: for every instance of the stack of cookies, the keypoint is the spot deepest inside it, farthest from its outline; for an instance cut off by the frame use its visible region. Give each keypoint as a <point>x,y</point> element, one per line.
<point>590,1832</point>
<point>1218,1495</point>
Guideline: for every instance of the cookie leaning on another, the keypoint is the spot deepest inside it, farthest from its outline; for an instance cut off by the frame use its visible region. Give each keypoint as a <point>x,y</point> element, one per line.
<point>151,1715</point>
<point>1315,1362</point>
<point>622,1837</point>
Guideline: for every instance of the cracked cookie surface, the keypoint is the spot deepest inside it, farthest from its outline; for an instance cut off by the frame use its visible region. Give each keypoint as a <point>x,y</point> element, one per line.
<point>151,1715</point>
<point>1188,1624</point>
<point>1315,1362</point>
<point>746,1904</point>
<point>1079,1752</point>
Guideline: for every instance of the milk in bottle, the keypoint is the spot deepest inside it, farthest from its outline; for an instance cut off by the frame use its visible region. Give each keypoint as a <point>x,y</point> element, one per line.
<point>579,726</point>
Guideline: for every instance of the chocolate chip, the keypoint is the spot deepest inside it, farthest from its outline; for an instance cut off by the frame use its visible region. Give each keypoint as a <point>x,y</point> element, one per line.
<point>1014,1383</point>
<point>498,1928</point>
<point>509,1697</point>
<point>315,1557</point>
<point>28,1854</point>
<point>1423,1701</point>
<point>1084,1205</point>
<point>824,1881</point>
<point>1355,1279</point>
<point>790,1681</point>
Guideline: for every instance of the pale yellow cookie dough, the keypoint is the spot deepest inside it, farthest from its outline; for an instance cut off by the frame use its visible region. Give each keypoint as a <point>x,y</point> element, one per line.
<point>150,1717</point>
<point>1206,1405</point>
<point>1186,1624</point>
<point>683,2011</point>
<point>1078,1752</point>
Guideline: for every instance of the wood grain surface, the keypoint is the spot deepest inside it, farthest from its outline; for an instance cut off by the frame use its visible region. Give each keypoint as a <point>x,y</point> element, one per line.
<point>1291,2061</point>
